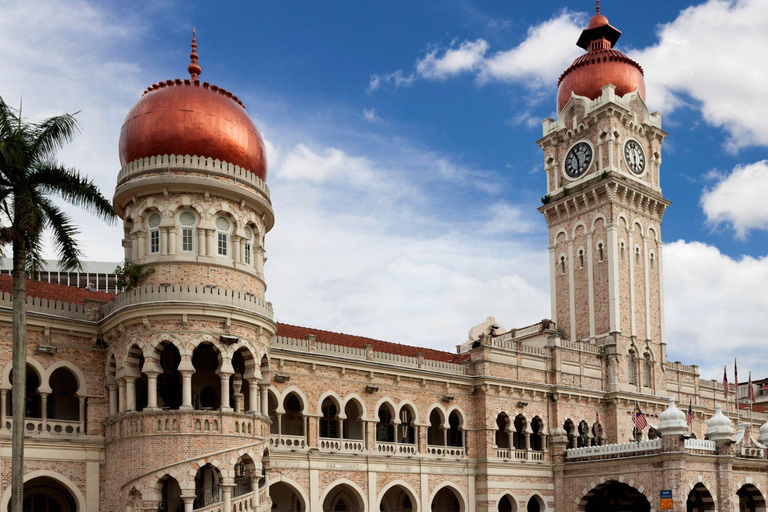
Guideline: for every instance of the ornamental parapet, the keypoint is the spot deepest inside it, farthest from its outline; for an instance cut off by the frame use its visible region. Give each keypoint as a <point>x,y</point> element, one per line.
<point>49,307</point>
<point>187,294</point>
<point>610,451</point>
<point>168,164</point>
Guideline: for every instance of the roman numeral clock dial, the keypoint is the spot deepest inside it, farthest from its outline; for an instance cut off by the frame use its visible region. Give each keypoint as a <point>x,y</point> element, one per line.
<point>578,160</point>
<point>634,157</point>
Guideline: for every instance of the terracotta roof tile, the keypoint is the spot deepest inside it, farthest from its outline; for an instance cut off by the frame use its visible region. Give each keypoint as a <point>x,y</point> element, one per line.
<point>58,292</point>
<point>349,340</point>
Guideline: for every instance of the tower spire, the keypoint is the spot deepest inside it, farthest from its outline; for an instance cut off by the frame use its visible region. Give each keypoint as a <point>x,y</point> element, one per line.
<point>194,68</point>
<point>597,6</point>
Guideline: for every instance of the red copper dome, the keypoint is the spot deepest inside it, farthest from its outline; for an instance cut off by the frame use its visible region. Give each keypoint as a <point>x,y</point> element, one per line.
<point>187,117</point>
<point>601,65</point>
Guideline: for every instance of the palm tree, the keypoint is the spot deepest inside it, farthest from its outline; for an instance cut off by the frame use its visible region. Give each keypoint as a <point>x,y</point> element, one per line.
<point>30,177</point>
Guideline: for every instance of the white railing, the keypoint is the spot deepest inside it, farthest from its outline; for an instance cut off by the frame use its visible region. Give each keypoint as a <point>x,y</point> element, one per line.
<point>536,455</point>
<point>395,448</point>
<point>614,449</point>
<point>189,293</point>
<point>700,444</point>
<point>341,445</point>
<point>581,346</point>
<point>287,442</point>
<point>166,163</point>
<point>752,452</point>
<point>506,453</point>
<point>243,502</point>
<point>502,453</point>
<point>53,427</point>
<point>445,451</point>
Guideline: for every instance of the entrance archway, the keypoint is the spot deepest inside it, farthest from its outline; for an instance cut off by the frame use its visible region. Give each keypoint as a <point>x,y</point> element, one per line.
<point>285,498</point>
<point>750,499</point>
<point>447,500</point>
<point>614,497</point>
<point>45,494</point>
<point>398,499</point>
<point>699,499</point>
<point>343,498</point>
<point>507,504</point>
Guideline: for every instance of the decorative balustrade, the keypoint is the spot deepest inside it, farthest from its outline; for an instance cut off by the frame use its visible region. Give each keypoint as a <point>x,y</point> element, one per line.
<point>503,453</point>
<point>752,452</point>
<point>395,448</point>
<point>700,444</point>
<point>341,445</point>
<point>445,451</point>
<point>515,454</point>
<point>287,443</point>
<point>243,502</point>
<point>189,294</point>
<point>184,422</point>
<point>58,428</point>
<point>613,450</point>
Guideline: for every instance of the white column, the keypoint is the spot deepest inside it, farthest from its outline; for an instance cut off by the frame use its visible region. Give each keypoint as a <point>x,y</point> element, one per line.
<point>3,393</point>
<point>172,241</point>
<point>646,272</point>
<point>211,244</point>
<point>44,408</point>
<point>613,279</point>
<point>264,399</point>
<point>130,393</point>
<point>659,262</point>
<point>571,290</point>
<point>591,285</point>
<point>163,240</point>
<point>121,395</point>
<point>253,396</point>
<point>235,248</point>
<point>112,398</point>
<point>189,502</point>
<point>631,255</point>
<point>225,390</point>
<point>553,282</point>
<point>226,490</point>
<point>81,403</point>
<point>151,391</point>
<point>201,242</point>
<point>186,390</point>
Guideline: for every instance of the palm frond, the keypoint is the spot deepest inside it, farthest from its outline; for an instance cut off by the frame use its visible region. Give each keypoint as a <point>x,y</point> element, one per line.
<point>64,236</point>
<point>53,134</point>
<point>73,188</point>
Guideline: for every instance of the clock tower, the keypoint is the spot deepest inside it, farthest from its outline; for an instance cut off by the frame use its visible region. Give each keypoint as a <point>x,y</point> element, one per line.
<point>604,209</point>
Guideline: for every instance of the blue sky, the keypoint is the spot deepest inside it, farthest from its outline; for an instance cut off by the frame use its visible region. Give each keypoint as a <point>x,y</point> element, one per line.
<point>403,166</point>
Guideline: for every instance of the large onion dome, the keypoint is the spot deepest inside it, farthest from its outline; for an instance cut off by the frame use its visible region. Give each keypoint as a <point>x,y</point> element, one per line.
<point>189,117</point>
<point>601,65</point>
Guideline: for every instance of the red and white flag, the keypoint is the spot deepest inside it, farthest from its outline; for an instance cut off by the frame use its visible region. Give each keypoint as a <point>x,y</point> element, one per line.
<point>735,379</point>
<point>725,384</point>
<point>750,390</point>
<point>638,419</point>
<point>689,416</point>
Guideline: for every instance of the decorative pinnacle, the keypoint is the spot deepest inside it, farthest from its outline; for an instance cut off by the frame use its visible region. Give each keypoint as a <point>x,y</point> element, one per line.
<point>194,68</point>
<point>597,6</point>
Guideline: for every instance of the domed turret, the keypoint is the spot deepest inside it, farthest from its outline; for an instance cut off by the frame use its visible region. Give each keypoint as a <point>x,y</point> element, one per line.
<point>764,433</point>
<point>187,117</point>
<point>719,426</point>
<point>672,420</point>
<point>601,65</point>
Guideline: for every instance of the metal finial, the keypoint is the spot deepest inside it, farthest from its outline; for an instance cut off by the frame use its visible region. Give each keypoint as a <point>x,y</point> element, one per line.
<point>194,68</point>
<point>597,6</point>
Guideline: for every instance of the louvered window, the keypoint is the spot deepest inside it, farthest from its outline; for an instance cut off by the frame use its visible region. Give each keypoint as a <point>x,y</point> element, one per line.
<point>187,221</point>
<point>222,227</point>
<point>154,233</point>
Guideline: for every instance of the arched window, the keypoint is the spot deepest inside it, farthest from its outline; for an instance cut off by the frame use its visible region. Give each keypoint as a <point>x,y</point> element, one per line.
<point>583,434</point>
<point>621,249</point>
<point>353,424</point>
<point>637,256</point>
<point>537,434</point>
<point>222,235</point>
<point>502,435</point>
<point>187,220</point>
<point>248,257</point>
<point>340,506</point>
<point>600,252</point>
<point>329,423</point>
<point>520,434</point>
<point>652,260</point>
<point>154,233</point>
<point>647,370</point>
<point>631,367</point>
<point>581,258</point>
<point>385,430</point>
<point>455,437</point>
<point>293,420</point>
<point>435,430</point>
<point>570,431</point>
<point>407,430</point>
<point>562,264</point>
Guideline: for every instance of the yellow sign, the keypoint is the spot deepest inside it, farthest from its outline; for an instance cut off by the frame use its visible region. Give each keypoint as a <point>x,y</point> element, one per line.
<point>666,504</point>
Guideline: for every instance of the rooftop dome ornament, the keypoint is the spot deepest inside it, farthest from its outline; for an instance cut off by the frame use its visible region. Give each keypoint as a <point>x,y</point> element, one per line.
<point>719,426</point>
<point>763,433</point>
<point>194,68</point>
<point>672,420</point>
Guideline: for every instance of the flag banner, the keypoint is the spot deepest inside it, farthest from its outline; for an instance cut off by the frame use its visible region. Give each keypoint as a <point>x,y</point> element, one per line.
<point>750,390</point>
<point>725,383</point>
<point>735,379</point>
<point>689,416</point>
<point>639,419</point>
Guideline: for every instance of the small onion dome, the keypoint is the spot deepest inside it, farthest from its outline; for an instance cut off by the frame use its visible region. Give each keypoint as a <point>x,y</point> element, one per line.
<point>719,426</point>
<point>559,435</point>
<point>601,65</point>
<point>672,420</point>
<point>764,433</point>
<point>187,117</point>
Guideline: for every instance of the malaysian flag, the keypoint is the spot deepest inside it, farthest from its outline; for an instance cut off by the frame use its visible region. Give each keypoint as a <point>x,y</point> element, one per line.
<point>689,416</point>
<point>735,379</point>
<point>638,419</point>
<point>750,390</point>
<point>597,422</point>
<point>725,384</point>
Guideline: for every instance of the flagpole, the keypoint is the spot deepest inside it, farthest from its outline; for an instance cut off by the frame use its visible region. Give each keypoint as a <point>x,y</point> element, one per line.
<point>736,393</point>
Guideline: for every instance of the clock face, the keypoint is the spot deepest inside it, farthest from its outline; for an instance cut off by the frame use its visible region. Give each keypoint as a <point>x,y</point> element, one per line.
<point>634,157</point>
<point>578,159</point>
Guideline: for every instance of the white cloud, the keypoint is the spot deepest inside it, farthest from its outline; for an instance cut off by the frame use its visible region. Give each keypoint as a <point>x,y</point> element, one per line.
<point>715,308</point>
<point>739,199</point>
<point>467,56</point>
<point>714,53</point>
<point>370,114</point>
<point>548,48</point>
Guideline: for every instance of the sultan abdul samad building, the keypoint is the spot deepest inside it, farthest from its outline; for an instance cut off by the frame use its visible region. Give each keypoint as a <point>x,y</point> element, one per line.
<point>184,394</point>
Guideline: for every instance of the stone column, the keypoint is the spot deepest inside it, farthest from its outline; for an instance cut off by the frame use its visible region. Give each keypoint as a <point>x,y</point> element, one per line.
<point>210,243</point>
<point>81,403</point>
<point>189,502</point>
<point>253,396</point>
<point>3,394</point>
<point>201,242</point>
<point>279,418</point>
<point>120,395</point>
<point>44,408</point>
<point>264,399</point>
<point>224,375</point>
<point>511,442</point>
<point>151,390</point>
<point>186,390</point>
<point>236,248</point>
<point>226,491</point>
<point>173,247</point>
<point>112,387</point>
<point>130,393</point>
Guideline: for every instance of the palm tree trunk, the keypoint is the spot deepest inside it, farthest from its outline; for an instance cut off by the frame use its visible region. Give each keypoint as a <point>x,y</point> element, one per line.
<point>19,374</point>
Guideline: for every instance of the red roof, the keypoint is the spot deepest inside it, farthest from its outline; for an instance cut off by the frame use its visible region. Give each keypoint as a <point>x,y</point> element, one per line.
<point>349,340</point>
<point>58,292</point>
<point>755,407</point>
